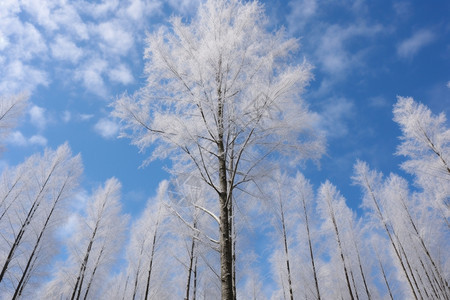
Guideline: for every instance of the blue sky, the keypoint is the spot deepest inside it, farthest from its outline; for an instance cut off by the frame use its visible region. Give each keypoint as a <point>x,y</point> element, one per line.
<point>75,57</point>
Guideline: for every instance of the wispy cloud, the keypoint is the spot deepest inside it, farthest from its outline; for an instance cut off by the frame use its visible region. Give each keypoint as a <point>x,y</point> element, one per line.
<point>301,12</point>
<point>121,74</point>
<point>378,101</point>
<point>38,140</point>
<point>91,74</point>
<point>333,119</point>
<point>93,35</point>
<point>38,117</point>
<point>106,128</point>
<point>18,77</point>
<point>85,117</point>
<point>16,138</point>
<point>412,45</point>
<point>66,116</point>
<point>334,53</point>
<point>65,49</point>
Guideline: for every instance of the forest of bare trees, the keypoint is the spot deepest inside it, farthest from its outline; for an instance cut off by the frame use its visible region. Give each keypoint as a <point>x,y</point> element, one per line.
<point>236,219</point>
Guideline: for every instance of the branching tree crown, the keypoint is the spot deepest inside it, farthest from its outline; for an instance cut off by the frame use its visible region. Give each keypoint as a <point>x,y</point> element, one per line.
<point>221,79</point>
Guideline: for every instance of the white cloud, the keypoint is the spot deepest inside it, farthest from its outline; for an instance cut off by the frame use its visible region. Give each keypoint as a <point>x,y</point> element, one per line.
<point>302,11</point>
<point>121,74</point>
<point>116,40</point>
<point>16,138</point>
<point>91,76</point>
<point>138,9</point>
<point>17,77</point>
<point>4,42</point>
<point>333,119</point>
<point>66,116</point>
<point>333,53</point>
<point>85,117</point>
<point>448,84</point>
<point>38,140</point>
<point>106,128</point>
<point>411,46</point>
<point>378,101</point>
<point>37,117</point>
<point>65,49</point>
<point>41,11</point>
<point>100,9</point>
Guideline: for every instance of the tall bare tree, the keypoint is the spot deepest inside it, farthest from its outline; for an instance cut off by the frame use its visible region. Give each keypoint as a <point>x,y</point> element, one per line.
<point>222,96</point>
<point>32,201</point>
<point>332,206</point>
<point>92,248</point>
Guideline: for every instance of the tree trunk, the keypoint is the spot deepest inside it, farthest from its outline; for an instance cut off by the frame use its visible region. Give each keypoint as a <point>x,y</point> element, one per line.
<point>147,288</point>
<point>191,264</point>
<point>93,273</point>
<point>311,253</point>
<point>341,250</point>
<point>194,292</point>
<point>27,269</point>
<point>385,277</point>
<point>382,220</point>
<point>78,285</point>
<point>286,251</point>
<point>225,239</point>
<point>25,224</point>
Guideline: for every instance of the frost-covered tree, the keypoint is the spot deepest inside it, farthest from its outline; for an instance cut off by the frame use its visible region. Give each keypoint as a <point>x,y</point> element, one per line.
<point>32,201</point>
<point>426,143</point>
<point>222,96</point>
<point>284,216</point>
<point>11,108</point>
<point>194,227</point>
<point>148,253</point>
<point>417,236</point>
<point>93,247</point>
<point>344,262</point>
<point>371,183</point>
<point>306,198</point>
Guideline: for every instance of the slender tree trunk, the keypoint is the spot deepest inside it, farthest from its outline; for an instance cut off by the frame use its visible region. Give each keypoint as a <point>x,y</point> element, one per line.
<point>138,271</point>
<point>194,292</point>
<point>191,264</point>
<point>363,277</point>
<point>286,251</point>
<point>232,218</point>
<point>125,288</point>
<point>359,262</point>
<point>233,249</point>
<point>336,231</point>
<point>408,265</point>
<point>384,276</point>
<point>382,220</point>
<point>442,280</point>
<point>27,269</point>
<point>225,240</point>
<point>354,284</point>
<point>93,273</point>
<point>152,255</point>
<point>27,221</point>
<point>311,252</point>
<point>80,277</point>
